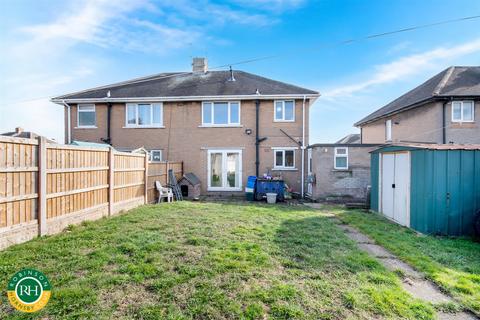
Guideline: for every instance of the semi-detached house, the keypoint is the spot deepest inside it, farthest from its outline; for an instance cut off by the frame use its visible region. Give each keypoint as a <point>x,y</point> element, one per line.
<point>224,125</point>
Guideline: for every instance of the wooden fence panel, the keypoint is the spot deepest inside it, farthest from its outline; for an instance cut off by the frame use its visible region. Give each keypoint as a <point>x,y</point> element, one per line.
<point>18,181</point>
<point>129,171</point>
<point>77,179</point>
<point>46,187</point>
<point>158,171</point>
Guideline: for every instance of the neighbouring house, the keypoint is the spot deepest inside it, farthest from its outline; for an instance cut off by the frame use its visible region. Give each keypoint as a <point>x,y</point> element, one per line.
<point>340,171</point>
<point>224,125</point>
<point>444,109</point>
<point>20,133</point>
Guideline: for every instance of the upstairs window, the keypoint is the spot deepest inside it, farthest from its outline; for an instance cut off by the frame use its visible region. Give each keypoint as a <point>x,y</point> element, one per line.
<point>144,115</point>
<point>86,115</point>
<point>155,155</point>
<point>284,159</point>
<point>221,114</point>
<point>284,111</point>
<point>341,159</point>
<point>388,130</point>
<point>462,111</point>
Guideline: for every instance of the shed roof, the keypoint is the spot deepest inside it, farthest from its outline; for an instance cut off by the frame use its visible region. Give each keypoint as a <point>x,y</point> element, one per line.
<point>431,146</point>
<point>456,81</point>
<point>192,178</point>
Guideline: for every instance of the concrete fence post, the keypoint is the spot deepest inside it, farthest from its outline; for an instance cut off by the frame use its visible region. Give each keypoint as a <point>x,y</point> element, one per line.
<point>111,181</point>
<point>42,186</point>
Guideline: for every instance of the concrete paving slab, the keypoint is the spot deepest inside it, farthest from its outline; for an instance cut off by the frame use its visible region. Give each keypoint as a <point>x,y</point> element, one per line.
<point>375,250</point>
<point>425,290</point>
<point>394,264</point>
<point>359,237</point>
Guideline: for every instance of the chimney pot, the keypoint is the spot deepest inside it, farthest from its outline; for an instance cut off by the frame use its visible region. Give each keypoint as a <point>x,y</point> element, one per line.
<point>200,64</point>
<point>18,129</point>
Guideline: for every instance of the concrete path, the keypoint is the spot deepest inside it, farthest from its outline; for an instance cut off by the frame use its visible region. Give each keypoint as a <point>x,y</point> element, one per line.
<point>414,282</point>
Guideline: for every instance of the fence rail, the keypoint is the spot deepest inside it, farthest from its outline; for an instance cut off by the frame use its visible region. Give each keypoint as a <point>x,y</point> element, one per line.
<point>46,187</point>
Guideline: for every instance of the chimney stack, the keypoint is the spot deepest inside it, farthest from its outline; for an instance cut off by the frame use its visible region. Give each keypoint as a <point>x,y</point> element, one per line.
<point>200,65</point>
<point>18,130</point>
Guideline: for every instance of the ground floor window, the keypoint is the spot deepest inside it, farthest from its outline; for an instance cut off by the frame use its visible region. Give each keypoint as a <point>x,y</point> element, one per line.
<point>224,170</point>
<point>155,155</point>
<point>341,158</point>
<point>284,158</point>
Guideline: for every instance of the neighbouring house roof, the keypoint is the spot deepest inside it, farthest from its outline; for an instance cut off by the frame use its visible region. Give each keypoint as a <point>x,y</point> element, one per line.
<point>20,133</point>
<point>90,144</point>
<point>450,83</point>
<point>178,85</point>
<point>350,139</point>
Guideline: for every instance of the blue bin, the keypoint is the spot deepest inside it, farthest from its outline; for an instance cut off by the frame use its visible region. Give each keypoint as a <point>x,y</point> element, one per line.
<point>265,186</point>
<point>250,188</point>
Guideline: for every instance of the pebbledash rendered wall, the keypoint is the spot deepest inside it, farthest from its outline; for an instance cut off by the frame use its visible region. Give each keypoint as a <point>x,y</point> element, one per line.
<point>343,185</point>
<point>46,187</point>
<point>444,188</point>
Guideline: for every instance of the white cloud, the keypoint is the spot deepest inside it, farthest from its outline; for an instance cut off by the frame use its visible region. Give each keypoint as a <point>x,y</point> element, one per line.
<point>405,67</point>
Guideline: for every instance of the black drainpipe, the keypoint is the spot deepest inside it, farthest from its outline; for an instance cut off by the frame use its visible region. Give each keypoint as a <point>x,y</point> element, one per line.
<point>444,123</point>
<point>257,137</point>
<point>108,139</point>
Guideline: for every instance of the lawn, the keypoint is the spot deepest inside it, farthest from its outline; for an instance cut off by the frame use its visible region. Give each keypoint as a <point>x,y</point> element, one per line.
<point>210,261</point>
<point>452,263</point>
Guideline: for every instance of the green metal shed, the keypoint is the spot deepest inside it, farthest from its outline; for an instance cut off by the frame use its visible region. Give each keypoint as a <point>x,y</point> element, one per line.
<point>431,188</point>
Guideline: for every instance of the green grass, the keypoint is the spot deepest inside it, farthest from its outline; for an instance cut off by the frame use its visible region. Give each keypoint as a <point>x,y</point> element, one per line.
<point>210,261</point>
<point>452,263</point>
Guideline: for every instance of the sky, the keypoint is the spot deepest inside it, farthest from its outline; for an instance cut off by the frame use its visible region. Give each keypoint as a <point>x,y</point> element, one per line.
<point>54,47</point>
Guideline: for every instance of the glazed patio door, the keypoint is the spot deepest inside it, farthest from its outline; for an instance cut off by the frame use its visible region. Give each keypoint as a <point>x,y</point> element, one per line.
<point>224,170</point>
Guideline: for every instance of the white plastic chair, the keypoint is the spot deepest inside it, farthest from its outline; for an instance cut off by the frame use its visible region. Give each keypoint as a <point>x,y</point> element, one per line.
<point>163,192</point>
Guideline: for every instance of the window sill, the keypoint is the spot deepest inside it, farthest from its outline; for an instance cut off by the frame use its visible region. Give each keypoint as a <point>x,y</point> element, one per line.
<point>86,127</point>
<point>341,170</point>
<point>283,120</point>
<point>284,169</point>
<point>221,126</point>
<point>460,122</point>
<point>143,127</point>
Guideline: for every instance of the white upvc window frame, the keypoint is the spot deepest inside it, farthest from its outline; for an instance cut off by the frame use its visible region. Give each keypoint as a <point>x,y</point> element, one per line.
<point>388,130</point>
<point>151,155</point>
<point>83,105</point>
<point>461,103</point>
<point>224,153</point>
<point>283,111</point>
<point>340,155</point>
<point>282,166</point>
<point>151,125</point>
<point>212,115</point>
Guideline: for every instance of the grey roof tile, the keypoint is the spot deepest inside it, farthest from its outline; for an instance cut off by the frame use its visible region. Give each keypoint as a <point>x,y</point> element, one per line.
<point>451,82</point>
<point>181,84</point>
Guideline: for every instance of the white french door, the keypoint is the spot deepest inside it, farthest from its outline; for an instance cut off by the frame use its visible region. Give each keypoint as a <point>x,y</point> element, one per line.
<point>224,170</point>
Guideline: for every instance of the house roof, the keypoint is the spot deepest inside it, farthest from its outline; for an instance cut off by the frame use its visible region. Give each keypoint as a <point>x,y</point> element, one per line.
<point>452,82</point>
<point>189,84</point>
<point>350,139</point>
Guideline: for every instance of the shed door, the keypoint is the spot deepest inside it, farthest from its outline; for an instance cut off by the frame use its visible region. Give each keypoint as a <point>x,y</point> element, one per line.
<point>402,187</point>
<point>388,179</point>
<point>395,186</point>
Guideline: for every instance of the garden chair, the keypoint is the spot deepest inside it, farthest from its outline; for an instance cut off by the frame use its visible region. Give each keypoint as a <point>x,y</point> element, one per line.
<point>163,192</point>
